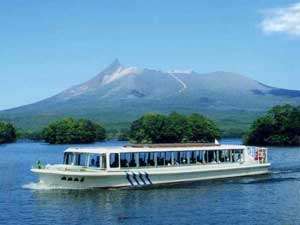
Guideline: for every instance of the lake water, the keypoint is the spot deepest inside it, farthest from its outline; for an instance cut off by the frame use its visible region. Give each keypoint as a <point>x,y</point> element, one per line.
<point>269,199</point>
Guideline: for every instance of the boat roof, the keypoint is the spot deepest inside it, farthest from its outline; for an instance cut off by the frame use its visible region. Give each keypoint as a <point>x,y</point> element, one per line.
<point>151,148</point>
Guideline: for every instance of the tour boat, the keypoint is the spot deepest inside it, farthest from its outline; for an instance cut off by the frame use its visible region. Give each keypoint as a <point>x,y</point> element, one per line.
<point>153,164</point>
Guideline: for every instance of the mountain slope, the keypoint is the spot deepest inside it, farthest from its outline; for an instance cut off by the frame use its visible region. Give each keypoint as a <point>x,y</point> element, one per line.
<point>120,94</point>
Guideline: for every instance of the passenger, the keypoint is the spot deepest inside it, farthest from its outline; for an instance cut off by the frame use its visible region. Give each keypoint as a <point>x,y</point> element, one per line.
<point>39,164</point>
<point>93,162</point>
<point>98,162</point>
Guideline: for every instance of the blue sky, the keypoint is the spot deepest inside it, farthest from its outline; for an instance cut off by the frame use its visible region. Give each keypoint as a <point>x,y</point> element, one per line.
<point>47,46</point>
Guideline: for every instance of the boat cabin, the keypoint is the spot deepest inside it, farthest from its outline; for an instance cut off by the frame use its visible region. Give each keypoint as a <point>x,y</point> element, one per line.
<point>141,156</point>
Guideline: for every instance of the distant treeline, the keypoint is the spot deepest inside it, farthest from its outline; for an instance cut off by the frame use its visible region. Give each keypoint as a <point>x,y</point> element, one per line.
<point>280,126</point>
<point>150,128</point>
<point>65,131</point>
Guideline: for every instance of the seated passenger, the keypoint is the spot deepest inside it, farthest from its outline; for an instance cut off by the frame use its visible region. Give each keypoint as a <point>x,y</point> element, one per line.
<point>92,162</point>
<point>132,163</point>
<point>98,161</point>
<point>142,162</point>
<point>123,163</point>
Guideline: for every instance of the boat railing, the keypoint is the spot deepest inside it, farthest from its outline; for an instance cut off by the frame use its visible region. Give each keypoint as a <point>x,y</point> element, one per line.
<point>259,154</point>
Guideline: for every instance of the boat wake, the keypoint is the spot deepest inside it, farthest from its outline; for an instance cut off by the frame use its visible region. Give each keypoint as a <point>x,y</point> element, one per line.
<point>286,170</point>
<point>270,180</point>
<point>283,174</point>
<point>42,186</point>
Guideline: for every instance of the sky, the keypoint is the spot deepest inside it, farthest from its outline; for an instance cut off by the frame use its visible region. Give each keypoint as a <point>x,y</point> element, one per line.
<point>48,46</point>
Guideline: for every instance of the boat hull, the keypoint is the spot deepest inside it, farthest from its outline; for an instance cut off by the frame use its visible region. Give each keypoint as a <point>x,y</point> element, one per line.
<point>146,177</point>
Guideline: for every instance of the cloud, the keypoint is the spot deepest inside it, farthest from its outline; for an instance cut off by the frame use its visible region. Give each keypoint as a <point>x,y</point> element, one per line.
<point>282,20</point>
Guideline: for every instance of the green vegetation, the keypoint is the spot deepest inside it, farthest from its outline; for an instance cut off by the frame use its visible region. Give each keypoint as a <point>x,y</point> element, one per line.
<point>71,131</point>
<point>232,123</point>
<point>123,135</point>
<point>7,133</point>
<point>29,135</point>
<point>280,126</point>
<point>175,128</point>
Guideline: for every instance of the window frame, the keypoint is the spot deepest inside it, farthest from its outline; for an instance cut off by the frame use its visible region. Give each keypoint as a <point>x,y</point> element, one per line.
<point>102,165</point>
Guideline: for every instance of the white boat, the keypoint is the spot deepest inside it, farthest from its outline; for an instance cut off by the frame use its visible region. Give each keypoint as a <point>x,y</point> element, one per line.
<point>144,165</point>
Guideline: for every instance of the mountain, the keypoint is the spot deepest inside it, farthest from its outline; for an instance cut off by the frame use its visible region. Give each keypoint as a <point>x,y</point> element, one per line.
<point>119,94</point>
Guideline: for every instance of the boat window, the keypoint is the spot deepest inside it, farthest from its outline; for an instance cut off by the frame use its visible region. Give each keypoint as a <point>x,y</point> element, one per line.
<point>183,158</point>
<point>221,156</point>
<point>81,159</point>
<point>189,154</point>
<point>147,159</point>
<point>142,159</point>
<point>233,156</point>
<point>200,157</point>
<point>160,156</point>
<point>128,159</point>
<point>114,160</point>
<point>176,158</point>
<point>132,157</point>
<point>168,159</point>
<point>236,155</point>
<point>94,160</point>
<point>124,158</point>
<point>193,157</point>
<point>240,155</point>
<point>150,159</point>
<point>227,156</point>
<point>211,156</point>
<point>68,158</point>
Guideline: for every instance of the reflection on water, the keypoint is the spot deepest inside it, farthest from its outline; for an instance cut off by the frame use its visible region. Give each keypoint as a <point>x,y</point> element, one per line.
<point>268,199</point>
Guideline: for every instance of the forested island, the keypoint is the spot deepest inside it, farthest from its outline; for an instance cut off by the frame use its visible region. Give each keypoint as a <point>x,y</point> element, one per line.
<point>174,128</point>
<point>280,126</point>
<point>8,133</point>
<point>71,131</point>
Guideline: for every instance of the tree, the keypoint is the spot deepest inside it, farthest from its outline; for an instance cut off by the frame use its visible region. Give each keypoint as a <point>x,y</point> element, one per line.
<point>202,129</point>
<point>123,135</point>
<point>7,133</point>
<point>100,132</point>
<point>174,128</point>
<point>261,129</point>
<point>280,126</point>
<point>71,131</point>
<point>148,128</point>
